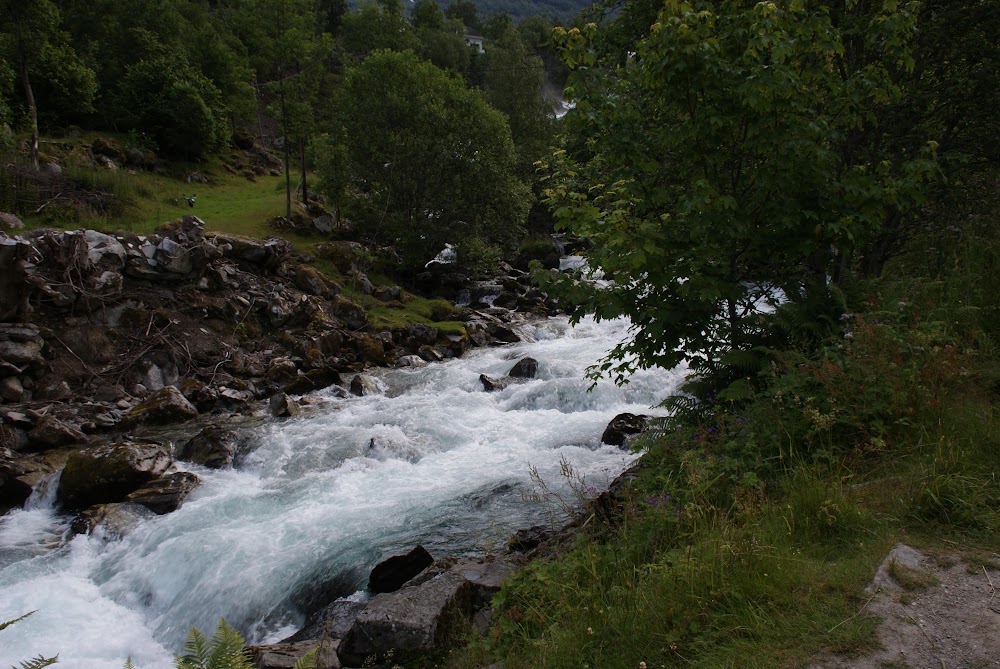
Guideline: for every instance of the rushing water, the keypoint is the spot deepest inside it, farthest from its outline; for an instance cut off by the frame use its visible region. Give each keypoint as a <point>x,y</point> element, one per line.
<point>433,460</point>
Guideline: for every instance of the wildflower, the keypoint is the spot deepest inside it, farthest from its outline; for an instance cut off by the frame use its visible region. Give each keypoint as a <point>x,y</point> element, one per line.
<point>642,665</point>
<point>590,630</point>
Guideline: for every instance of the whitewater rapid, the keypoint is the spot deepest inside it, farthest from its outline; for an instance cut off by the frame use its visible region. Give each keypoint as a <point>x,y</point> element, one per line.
<point>432,459</point>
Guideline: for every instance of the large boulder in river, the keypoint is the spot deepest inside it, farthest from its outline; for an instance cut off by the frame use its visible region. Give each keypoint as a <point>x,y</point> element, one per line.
<point>166,405</point>
<point>166,493</point>
<point>526,368</point>
<point>108,473</point>
<point>622,426</point>
<point>411,621</point>
<point>214,447</point>
<point>392,573</point>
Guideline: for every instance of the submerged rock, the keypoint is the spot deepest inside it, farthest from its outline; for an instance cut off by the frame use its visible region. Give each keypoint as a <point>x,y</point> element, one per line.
<point>214,447</point>
<point>116,519</point>
<point>526,368</point>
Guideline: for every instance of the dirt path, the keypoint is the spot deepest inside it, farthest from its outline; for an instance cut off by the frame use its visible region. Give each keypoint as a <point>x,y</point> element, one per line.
<point>937,613</point>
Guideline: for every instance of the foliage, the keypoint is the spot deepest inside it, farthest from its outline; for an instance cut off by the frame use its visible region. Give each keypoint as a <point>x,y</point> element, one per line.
<point>36,662</point>
<point>707,168</point>
<point>429,161</point>
<point>225,650</point>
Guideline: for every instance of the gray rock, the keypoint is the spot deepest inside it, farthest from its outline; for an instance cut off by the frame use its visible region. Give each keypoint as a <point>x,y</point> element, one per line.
<point>392,573</point>
<point>214,447</point>
<point>50,432</point>
<point>492,384</point>
<point>411,361</point>
<point>167,405</point>
<point>281,405</point>
<point>285,655</point>
<point>174,258</point>
<point>108,473</point>
<point>420,333</point>
<point>526,368</point>
<point>363,384</point>
<point>388,293</point>
<point>622,426</point>
<point>903,555</point>
<point>104,252</point>
<point>21,353</point>
<point>414,620</point>
<point>11,389</point>
<point>10,221</point>
<point>20,474</point>
<point>166,493</point>
<point>311,281</point>
<point>334,620</point>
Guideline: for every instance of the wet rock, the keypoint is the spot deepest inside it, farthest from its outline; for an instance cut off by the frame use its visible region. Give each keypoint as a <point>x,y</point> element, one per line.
<point>285,655</point>
<point>108,473</point>
<point>214,447</point>
<point>411,361</point>
<point>524,369</point>
<point>392,573</point>
<point>167,405</point>
<point>622,426</point>
<point>197,393</point>
<point>492,384</point>
<point>502,334</point>
<point>369,349</point>
<point>50,432</point>
<point>528,539</point>
<point>363,384</point>
<point>167,493</point>
<point>333,621</point>
<point>20,474</point>
<point>313,380</point>
<point>410,621</point>
<point>429,354</point>
<point>115,520</point>
<point>281,405</point>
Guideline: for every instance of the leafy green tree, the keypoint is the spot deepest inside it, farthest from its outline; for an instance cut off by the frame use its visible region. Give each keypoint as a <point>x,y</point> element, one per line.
<point>708,164</point>
<point>31,38</point>
<point>330,15</point>
<point>427,14</point>
<point>429,162</point>
<point>372,27</point>
<point>514,77</point>
<point>464,10</point>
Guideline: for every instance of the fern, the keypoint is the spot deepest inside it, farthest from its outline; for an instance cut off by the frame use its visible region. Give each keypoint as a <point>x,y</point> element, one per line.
<point>15,620</point>
<point>308,661</point>
<point>38,662</point>
<point>129,664</point>
<point>224,651</point>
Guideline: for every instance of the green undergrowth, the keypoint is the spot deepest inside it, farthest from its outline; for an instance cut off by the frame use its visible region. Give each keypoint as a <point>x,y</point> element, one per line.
<point>748,535</point>
<point>412,309</point>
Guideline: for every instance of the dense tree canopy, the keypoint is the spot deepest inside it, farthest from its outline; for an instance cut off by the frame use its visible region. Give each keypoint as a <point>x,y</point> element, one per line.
<point>431,161</point>
<point>712,165</point>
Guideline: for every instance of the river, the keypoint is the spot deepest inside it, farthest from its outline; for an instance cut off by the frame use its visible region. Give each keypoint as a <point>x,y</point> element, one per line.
<point>431,459</point>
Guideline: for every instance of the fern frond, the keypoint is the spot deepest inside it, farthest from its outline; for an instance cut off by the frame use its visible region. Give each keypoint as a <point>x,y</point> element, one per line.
<point>308,661</point>
<point>129,664</point>
<point>7,624</point>
<point>39,662</point>
<point>228,651</point>
<point>196,651</point>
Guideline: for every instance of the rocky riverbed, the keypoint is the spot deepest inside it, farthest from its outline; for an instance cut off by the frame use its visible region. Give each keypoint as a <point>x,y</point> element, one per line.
<point>128,361</point>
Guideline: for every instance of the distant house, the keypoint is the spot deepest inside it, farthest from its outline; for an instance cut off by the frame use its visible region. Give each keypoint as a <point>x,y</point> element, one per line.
<point>474,39</point>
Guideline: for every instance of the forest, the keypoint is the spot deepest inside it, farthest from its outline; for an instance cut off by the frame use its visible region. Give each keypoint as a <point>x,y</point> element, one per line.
<point>796,200</point>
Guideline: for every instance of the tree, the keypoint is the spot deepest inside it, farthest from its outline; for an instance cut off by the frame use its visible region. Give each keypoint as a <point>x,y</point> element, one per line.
<point>428,160</point>
<point>372,27</point>
<point>32,39</point>
<point>514,77</point>
<point>466,11</point>
<point>707,164</point>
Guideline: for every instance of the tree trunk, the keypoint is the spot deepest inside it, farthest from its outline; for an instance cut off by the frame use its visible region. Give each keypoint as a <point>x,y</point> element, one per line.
<point>29,94</point>
<point>302,162</point>
<point>284,144</point>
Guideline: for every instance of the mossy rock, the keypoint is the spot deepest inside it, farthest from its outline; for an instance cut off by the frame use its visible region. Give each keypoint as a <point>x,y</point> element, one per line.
<point>108,473</point>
